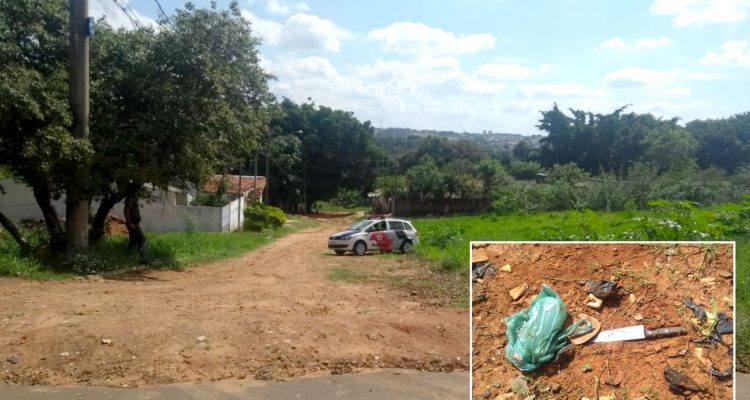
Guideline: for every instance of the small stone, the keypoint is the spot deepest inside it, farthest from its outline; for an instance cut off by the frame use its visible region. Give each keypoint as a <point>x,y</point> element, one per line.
<point>201,338</point>
<point>479,256</point>
<point>595,302</point>
<point>518,291</point>
<point>631,298</point>
<point>638,317</point>
<point>725,274</point>
<point>107,342</point>
<point>709,281</point>
<point>506,268</point>
<point>65,354</point>
<point>505,396</point>
<point>615,380</point>
<point>486,394</point>
<point>496,384</point>
<point>554,387</point>
<point>12,359</point>
<point>372,336</point>
<point>531,397</point>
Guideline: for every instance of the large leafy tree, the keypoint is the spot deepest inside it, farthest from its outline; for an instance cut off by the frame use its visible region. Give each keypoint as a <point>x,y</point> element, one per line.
<point>173,106</point>
<point>35,142</point>
<point>724,142</point>
<point>169,106</point>
<point>336,151</point>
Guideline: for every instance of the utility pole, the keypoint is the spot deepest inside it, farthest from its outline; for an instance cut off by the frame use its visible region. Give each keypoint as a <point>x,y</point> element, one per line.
<point>77,205</point>
<point>239,201</point>
<point>267,192</point>
<point>255,176</point>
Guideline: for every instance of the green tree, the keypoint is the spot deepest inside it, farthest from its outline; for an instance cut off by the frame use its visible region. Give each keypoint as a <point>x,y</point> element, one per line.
<point>336,151</point>
<point>173,106</point>
<point>35,143</point>
<point>672,148</point>
<point>724,142</point>
<point>392,185</point>
<point>425,178</point>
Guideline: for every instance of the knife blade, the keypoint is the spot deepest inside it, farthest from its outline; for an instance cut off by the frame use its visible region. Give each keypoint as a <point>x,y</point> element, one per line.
<point>637,332</point>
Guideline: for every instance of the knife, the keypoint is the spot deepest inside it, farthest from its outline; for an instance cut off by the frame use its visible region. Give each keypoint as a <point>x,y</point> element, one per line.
<point>636,333</point>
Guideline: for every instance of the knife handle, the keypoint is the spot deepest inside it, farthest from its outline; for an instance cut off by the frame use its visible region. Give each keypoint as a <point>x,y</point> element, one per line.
<point>664,332</point>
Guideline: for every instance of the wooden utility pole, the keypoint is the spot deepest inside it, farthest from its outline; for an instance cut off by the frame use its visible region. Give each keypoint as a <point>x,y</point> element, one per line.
<point>77,207</point>
<point>267,190</point>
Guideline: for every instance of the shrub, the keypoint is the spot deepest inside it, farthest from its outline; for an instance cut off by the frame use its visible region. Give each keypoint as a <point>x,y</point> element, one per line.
<point>348,198</point>
<point>525,170</point>
<point>259,216</point>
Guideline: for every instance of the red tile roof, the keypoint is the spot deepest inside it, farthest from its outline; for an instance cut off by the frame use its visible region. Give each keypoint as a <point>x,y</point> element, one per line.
<point>234,185</point>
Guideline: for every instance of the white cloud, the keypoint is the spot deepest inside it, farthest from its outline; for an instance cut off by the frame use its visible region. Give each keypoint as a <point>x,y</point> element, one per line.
<point>731,52</point>
<point>301,31</point>
<point>270,31</point>
<point>281,8</point>
<point>306,31</point>
<point>505,71</point>
<point>116,17</point>
<point>646,43</point>
<point>560,90</point>
<point>636,76</point>
<point>413,38</point>
<point>702,12</point>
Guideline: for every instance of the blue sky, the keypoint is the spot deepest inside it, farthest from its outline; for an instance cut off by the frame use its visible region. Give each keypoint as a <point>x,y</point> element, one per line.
<point>476,65</point>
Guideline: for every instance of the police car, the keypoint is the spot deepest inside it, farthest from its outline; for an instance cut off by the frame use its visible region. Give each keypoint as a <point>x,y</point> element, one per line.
<point>377,233</point>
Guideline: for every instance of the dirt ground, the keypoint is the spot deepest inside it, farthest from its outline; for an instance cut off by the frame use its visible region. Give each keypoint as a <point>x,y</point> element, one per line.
<point>271,314</point>
<point>658,276</point>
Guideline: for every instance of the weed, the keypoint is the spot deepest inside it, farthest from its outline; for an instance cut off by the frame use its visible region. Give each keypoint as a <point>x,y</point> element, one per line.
<point>347,275</point>
<point>586,367</point>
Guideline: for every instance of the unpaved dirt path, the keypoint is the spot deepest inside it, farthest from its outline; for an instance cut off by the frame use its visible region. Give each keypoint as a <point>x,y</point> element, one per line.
<point>270,314</point>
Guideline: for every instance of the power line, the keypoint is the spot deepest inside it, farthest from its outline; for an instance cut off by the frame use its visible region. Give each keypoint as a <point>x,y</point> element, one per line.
<point>164,14</point>
<point>129,13</point>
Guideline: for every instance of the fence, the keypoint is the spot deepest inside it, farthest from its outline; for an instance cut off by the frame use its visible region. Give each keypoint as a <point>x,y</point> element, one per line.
<point>406,207</point>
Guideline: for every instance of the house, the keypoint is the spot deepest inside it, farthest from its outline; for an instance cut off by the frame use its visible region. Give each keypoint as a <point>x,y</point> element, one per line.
<point>165,210</point>
<point>249,187</point>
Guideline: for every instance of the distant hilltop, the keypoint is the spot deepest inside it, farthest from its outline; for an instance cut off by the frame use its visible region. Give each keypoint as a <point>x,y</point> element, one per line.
<point>504,141</point>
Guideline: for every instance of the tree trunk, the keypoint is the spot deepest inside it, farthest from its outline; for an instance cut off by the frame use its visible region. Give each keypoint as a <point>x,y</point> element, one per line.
<point>13,230</point>
<point>43,198</point>
<point>100,219</point>
<point>137,239</point>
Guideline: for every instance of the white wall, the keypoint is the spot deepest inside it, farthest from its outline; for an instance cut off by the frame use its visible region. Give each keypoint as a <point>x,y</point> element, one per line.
<point>18,201</point>
<point>160,214</point>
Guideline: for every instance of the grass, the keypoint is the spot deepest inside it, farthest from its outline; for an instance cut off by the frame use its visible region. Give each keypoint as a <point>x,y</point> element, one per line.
<point>446,240</point>
<point>347,275</point>
<point>168,250</point>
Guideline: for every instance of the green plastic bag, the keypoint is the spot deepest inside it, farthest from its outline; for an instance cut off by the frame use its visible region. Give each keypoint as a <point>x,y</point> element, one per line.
<point>535,334</point>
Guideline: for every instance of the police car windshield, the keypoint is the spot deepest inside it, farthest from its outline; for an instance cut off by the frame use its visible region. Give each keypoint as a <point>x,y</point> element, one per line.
<point>360,225</point>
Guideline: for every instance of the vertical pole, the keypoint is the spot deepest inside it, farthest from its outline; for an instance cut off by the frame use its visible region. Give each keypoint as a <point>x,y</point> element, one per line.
<point>267,192</point>
<point>304,187</point>
<point>239,202</point>
<point>255,176</point>
<point>77,207</point>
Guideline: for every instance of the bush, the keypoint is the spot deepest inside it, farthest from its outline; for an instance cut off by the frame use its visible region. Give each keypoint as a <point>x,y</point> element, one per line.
<point>348,198</point>
<point>259,216</point>
<point>524,170</point>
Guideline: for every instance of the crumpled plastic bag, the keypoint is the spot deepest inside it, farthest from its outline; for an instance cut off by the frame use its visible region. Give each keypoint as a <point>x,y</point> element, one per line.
<point>535,334</point>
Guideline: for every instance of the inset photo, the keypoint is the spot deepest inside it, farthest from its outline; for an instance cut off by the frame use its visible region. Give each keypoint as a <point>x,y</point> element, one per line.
<point>602,320</point>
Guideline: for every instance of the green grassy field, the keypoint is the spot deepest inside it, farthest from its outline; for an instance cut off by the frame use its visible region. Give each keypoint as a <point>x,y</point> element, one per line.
<point>445,241</point>
<point>171,250</point>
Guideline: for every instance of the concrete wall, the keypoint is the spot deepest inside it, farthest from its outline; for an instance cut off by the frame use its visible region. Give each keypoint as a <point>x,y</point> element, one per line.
<point>160,214</point>
<point>18,201</point>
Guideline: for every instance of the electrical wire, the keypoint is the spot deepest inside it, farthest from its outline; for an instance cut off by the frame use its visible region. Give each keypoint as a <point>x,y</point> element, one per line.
<point>164,14</point>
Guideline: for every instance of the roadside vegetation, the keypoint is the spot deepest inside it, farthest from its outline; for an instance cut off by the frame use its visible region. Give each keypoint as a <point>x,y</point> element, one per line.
<point>168,250</point>
<point>446,240</point>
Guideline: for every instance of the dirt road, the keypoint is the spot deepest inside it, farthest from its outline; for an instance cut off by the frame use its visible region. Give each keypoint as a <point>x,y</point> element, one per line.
<point>270,314</point>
